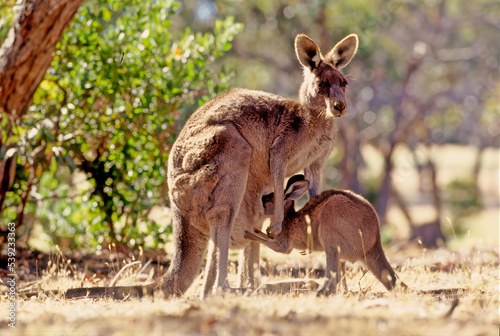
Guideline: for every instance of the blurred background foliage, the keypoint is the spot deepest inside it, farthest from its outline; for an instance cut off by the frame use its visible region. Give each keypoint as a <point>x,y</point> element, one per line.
<point>127,74</point>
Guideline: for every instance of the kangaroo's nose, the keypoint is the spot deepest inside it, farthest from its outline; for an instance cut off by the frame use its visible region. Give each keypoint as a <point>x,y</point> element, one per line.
<point>339,106</point>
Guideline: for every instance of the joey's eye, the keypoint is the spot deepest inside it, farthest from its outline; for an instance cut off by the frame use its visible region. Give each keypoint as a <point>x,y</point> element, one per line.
<point>344,84</point>
<point>322,84</point>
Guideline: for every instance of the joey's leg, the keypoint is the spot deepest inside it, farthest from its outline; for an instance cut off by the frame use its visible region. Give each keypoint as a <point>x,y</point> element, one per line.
<point>343,274</point>
<point>332,272</point>
<point>190,244</point>
<point>249,266</point>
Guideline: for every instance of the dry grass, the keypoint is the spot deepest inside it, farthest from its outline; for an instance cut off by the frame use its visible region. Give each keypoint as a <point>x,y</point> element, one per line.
<point>367,309</point>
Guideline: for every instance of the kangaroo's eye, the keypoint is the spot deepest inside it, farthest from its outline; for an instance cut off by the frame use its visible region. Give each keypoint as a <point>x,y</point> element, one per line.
<point>322,84</point>
<point>344,84</point>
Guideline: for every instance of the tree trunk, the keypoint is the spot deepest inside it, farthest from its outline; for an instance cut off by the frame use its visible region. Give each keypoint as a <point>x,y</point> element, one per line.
<point>385,190</point>
<point>28,50</point>
<point>25,56</point>
<point>430,234</point>
<point>350,160</point>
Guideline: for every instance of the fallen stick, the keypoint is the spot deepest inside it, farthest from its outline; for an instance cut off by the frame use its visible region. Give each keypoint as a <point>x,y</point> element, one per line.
<point>117,276</point>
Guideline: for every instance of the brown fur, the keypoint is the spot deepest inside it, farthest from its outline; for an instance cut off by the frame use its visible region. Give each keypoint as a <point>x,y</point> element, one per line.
<point>239,146</point>
<point>343,224</point>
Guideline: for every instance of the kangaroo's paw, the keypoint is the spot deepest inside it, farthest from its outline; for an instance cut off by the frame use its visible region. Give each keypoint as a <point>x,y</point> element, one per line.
<point>273,232</point>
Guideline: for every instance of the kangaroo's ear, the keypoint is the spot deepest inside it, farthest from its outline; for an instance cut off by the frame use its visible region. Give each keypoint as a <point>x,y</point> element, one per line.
<point>296,190</point>
<point>307,51</point>
<point>343,51</point>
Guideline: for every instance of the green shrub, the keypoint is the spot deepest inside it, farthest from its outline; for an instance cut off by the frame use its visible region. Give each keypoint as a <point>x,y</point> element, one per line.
<point>121,84</point>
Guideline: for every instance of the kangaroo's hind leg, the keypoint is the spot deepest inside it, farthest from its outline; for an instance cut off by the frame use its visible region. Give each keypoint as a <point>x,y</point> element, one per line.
<point>233,162</point>
<point>332,272</point>
<point>190,245</point>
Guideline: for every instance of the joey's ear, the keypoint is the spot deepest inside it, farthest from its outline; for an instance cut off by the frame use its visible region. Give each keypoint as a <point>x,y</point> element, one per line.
<point>343,51</point>
<point>293,179</point>
<point>307,51</point>
<point>296,190</point>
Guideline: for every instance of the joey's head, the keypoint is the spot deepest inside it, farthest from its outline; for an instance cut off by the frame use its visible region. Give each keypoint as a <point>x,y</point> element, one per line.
<point>296,187</point>
<point>324,85</point>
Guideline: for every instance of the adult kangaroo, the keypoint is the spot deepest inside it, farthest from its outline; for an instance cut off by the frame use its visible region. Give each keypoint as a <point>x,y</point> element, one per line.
<point>241,145</point>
